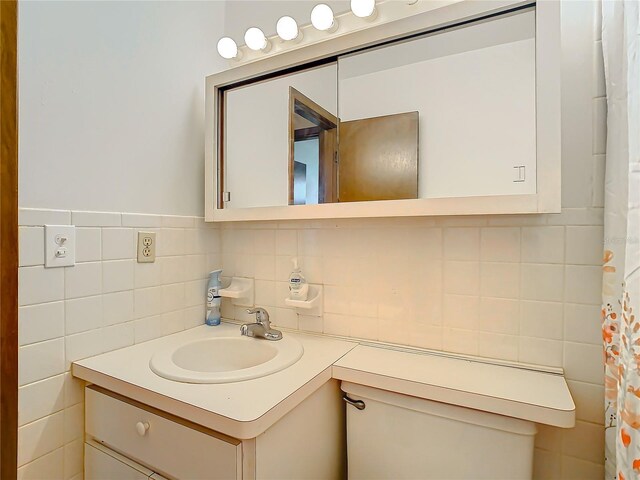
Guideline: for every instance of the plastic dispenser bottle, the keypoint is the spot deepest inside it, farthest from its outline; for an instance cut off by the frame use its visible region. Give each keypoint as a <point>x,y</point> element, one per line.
<point>298,286</point>
<point>213,298</point>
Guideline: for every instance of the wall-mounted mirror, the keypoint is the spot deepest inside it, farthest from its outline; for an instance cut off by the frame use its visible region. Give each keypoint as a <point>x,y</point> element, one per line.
<point>473,89</point>
<point>258,165</point>
<point>448,114</point>
<point>453,113</point>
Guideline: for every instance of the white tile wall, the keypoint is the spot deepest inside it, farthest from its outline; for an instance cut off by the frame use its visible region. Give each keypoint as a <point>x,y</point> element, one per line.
<point>521,288</point>
<point>41,322</point>
<point>529,301</point>
<point>106,301</point>
<point>519,304</point>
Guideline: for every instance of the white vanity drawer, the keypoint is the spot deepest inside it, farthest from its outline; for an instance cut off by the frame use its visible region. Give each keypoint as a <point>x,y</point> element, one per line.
<point>171,446</point>
<point>100,463</point>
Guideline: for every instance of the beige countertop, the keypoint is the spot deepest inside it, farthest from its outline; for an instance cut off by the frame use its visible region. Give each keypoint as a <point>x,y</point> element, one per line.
<point>242,409</point>
<point>246,409</point>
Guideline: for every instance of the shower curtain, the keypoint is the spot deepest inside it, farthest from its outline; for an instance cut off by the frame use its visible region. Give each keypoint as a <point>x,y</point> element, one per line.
<point>621,262</point>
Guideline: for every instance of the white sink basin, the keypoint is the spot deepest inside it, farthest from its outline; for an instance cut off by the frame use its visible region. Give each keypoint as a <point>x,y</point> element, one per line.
<point>225,359</point>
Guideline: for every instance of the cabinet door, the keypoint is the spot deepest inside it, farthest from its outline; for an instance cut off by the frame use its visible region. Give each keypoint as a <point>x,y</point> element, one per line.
<point>102,464</point>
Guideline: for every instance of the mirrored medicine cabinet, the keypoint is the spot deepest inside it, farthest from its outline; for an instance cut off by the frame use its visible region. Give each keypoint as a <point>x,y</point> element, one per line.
<point>459,117</point>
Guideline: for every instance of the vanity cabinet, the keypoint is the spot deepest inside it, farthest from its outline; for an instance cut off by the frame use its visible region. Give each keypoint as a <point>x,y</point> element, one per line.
<point>126,439</point>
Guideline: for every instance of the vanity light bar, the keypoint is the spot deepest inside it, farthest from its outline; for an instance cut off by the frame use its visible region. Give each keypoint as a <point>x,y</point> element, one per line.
<point>322,19</point>
<point>287,29</point>
<point>363,8</point>
<point>227,48</point>
<point>256,40</point>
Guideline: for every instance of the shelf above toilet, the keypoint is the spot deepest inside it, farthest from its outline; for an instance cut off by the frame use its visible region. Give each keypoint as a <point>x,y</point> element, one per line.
<point>518,391</point>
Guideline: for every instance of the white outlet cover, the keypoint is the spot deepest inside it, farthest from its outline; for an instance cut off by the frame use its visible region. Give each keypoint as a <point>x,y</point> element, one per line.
<point>146,247</point>
<point>59,245</point>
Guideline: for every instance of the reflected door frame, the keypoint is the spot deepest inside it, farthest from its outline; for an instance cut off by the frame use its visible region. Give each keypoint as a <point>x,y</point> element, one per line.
<point>326,133</point>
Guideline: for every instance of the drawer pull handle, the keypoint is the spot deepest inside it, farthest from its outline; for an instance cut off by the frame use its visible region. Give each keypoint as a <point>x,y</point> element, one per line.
<point>359,404</point>
<point>142,428</point>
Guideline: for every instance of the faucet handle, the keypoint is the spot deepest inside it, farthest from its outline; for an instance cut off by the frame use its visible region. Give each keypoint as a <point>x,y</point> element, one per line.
<point>262,316</point>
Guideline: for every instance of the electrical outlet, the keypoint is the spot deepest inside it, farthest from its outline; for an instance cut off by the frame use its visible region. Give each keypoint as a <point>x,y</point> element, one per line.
<point>146,247</point>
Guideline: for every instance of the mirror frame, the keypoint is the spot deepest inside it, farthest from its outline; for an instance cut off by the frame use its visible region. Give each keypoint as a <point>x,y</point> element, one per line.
<point>394,21</point>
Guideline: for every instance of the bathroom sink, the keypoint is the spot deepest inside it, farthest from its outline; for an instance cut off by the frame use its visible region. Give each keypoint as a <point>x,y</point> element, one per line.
<point>225,359</point>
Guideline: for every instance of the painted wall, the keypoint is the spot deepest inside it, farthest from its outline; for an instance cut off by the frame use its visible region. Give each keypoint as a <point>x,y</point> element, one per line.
<point>242,14</point>
<point>111,120</point>
<point>112,104</point>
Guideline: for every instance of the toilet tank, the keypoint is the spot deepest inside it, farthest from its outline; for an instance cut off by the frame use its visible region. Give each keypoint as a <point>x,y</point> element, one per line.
<point>397,436</point>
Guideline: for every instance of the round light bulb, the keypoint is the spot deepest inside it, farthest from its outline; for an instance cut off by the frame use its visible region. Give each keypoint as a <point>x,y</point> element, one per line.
<point>363,8</point>
<point>255,39</point>
<point>227,48</point>
<point>322,17</point>
<point>287,28</point>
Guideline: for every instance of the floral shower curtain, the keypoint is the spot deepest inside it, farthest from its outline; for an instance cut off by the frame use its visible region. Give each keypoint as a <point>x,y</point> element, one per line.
<point>621,269</point>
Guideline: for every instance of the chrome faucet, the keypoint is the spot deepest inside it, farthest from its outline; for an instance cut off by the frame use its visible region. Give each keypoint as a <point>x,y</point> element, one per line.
<point>262,327</point>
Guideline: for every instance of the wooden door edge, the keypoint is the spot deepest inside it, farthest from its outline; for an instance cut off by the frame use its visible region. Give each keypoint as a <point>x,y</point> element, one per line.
<point>8,240</point>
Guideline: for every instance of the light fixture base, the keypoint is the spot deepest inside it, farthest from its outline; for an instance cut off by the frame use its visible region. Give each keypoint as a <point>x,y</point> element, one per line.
<point>372,17</point>
<point>299,38</point>
<point>333,28</point>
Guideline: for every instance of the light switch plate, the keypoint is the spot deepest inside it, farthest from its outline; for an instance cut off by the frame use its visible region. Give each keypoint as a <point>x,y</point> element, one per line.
<point>59,245</point>
<point>146,247</point>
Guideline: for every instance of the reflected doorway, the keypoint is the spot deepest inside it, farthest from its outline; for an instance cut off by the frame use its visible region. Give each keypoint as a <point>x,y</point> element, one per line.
<point>313,172</point>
